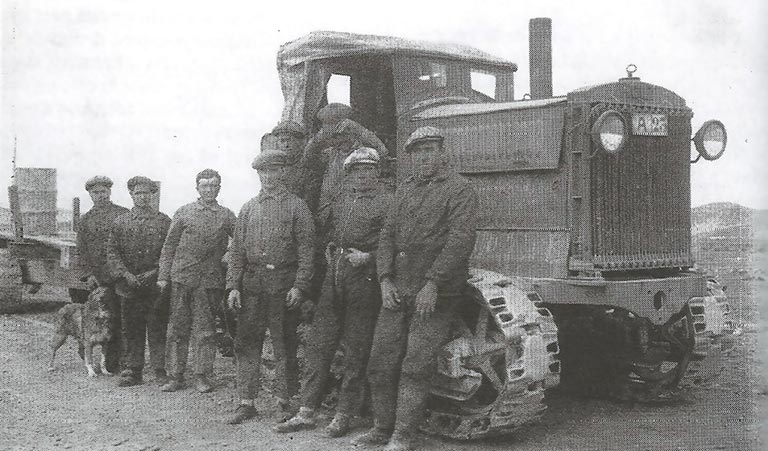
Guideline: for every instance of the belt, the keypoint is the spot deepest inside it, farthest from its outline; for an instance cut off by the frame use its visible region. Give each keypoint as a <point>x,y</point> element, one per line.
<point>268,266</point>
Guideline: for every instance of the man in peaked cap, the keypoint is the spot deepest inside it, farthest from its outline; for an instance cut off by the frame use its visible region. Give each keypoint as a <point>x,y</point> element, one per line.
<point>133,254</point>
<point>191,263</point>
<point>92,237</point>
<point>339,135</point>
<point>350,299</point>
<point>422,265</point>
<point>269,274</point>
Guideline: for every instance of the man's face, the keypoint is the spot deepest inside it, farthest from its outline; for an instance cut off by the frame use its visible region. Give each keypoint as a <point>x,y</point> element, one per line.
<point>100,194</point>
<point>271,177</point>
<point>142,196</point>
<point>427,158</point>
<point>290,143</point>
<point>208,189</point>
<point>362,175</point>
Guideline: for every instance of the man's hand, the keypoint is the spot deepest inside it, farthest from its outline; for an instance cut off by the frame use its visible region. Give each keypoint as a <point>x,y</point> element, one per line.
<point>131,280</point>
<point>389,297</point>
<point>293,298</point>
<point>357,258</point>
<point>426,300</point>
<point>91,283</point>
<point>233,300</point>
<point>162,284</point>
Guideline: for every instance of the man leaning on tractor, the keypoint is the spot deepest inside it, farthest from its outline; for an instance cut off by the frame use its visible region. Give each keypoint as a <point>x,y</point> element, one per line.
<point>422,265</point>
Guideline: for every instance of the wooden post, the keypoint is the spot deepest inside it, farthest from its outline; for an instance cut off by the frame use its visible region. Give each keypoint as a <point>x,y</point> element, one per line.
<point>18,223</point>
<point>75,214</point>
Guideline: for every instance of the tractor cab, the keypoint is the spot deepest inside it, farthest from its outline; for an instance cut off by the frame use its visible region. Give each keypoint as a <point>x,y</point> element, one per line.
<point>385,79</point>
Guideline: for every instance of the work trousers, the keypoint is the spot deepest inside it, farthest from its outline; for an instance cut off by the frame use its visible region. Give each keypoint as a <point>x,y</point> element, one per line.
<point>113,347</point>
<point>192,317</point>
<point>404,360</point>
<point>347,312</point>
<point>144,319</point>
<point>263,306</point>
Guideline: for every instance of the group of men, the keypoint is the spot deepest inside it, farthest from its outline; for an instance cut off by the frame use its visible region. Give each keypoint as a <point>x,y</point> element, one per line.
<point>382,269</point>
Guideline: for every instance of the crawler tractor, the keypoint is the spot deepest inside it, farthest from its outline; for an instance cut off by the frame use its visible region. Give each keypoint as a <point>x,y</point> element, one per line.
<point>582,275</point>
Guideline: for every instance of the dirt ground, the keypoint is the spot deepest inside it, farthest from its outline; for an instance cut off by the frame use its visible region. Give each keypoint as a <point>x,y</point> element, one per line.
<point>64,409</point>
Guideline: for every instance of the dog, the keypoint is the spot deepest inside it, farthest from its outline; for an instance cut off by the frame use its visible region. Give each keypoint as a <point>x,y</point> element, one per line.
<point>89,323</point>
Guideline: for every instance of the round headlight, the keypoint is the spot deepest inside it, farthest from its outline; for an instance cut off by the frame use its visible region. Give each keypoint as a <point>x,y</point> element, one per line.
<point>610,132</point>
<point>710,140</point>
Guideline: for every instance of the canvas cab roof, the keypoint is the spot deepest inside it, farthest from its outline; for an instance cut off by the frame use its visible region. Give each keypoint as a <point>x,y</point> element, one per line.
<point>329,44</point>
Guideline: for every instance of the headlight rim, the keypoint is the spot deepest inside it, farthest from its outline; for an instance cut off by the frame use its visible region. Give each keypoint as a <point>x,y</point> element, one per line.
<point>698,139</point>
<point>600,121</point>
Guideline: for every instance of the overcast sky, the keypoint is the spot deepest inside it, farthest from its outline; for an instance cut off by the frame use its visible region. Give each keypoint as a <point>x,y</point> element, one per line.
<point>165,89</point>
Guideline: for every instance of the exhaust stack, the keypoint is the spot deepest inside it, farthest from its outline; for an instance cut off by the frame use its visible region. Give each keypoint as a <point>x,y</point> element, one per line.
<point>540,57</point>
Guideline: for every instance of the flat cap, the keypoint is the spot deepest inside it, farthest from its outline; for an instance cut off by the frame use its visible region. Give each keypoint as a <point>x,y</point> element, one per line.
<point>289,127</point>
<point>98,180</point>
<point>334,112</point>
<point>141,180</point>
<point>269,158</point>
<point>427,133</point>
<point>362,155</point>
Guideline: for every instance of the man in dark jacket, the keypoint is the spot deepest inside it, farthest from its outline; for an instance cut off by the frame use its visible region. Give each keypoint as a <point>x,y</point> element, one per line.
<point>339,136</point>
<point>92,237</point>
<point>191,262</point>
<point>269,274</point>
<point>350,299</point>
<point>422,266</point>
<point>133,252</point>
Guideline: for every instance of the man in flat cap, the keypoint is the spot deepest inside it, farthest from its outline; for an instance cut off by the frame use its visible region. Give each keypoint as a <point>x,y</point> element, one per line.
<point>191,263</point>
<point>422,266</point>
<point>92,237</point>
<point>269,274</point>
<point>133,253</point>
<point>339,135</point>
<point>350,300</point>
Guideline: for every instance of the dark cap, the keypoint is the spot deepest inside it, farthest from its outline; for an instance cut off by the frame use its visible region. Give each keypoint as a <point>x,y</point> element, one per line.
<point>141,180</point>
<point>291,127</point>
<point>427,133</point>
<point>334,112</point>
<point>269,158</point>
<point>98,180</point>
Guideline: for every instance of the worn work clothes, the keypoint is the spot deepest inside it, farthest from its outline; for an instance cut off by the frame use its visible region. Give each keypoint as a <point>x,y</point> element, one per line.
<point>134,246</point>
<point>346,313</point>
<point>272,252</point>
<point>404,360</point>
<point>274,230</point>
<point>144,319</point>
<point>429,234</point>
<point>355,217</point>
<point>192,315</point>
<point>92,237</point>
<point>325,153</point>
<point>263,306</point>
<point>196,242</point>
